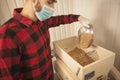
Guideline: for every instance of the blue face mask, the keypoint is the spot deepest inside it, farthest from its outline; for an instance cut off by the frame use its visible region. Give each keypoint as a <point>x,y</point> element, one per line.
<point>45,13</point>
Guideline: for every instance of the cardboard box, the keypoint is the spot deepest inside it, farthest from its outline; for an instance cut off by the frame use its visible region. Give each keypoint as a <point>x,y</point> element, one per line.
<point>98,70</point>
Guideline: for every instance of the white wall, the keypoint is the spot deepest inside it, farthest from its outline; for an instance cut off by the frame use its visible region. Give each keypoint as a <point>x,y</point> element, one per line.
<point>104,14</point>
<point>64,31</point>
<point>6,8</point>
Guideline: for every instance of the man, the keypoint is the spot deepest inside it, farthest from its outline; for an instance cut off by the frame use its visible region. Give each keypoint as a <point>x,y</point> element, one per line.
<point>25,41</point>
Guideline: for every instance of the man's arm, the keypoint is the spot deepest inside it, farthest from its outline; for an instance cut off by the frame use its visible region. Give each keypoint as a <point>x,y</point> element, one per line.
<point>63,19</point>
<point>9,59</point>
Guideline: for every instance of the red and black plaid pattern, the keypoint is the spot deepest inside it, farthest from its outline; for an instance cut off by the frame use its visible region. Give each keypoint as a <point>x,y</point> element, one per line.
<point>25,47</point>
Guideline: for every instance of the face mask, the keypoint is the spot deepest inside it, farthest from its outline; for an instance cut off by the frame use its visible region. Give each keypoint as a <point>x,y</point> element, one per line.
<point>45,13</point>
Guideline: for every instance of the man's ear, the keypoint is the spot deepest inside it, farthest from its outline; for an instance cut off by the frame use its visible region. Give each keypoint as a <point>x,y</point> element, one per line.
<point>36,4</point>
<point>33,1</point>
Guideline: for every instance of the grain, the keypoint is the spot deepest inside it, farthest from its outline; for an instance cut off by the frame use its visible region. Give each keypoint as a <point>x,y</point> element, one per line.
<point>80,56</point>
<point>85,40</point>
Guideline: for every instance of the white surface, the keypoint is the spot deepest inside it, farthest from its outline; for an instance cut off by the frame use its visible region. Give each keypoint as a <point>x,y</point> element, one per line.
<point>63,71</point>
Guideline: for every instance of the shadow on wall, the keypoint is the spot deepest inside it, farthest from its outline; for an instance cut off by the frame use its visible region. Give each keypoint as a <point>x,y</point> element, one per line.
<point>102,23</point>
<point>105,23</point>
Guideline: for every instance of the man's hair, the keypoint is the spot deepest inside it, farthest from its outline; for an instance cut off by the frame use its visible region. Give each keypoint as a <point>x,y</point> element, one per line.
<point>26,0</point>
<point>54,0</point>
<point>51,0</point>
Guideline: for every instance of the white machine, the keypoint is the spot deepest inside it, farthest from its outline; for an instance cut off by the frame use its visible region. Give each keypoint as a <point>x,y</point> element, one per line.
<point>98,70</point>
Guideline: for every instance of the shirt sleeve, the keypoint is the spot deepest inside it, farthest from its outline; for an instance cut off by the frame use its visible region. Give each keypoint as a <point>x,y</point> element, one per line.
<point>62,19</point>
<point>9,59</point>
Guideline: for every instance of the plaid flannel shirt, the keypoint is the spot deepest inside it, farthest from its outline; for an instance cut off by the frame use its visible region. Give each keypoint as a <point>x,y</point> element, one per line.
<point>25,47</point>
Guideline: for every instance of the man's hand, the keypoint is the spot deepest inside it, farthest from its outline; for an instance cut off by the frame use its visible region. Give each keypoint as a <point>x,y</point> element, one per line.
<point>36,5</point>
<point>84,21</point>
